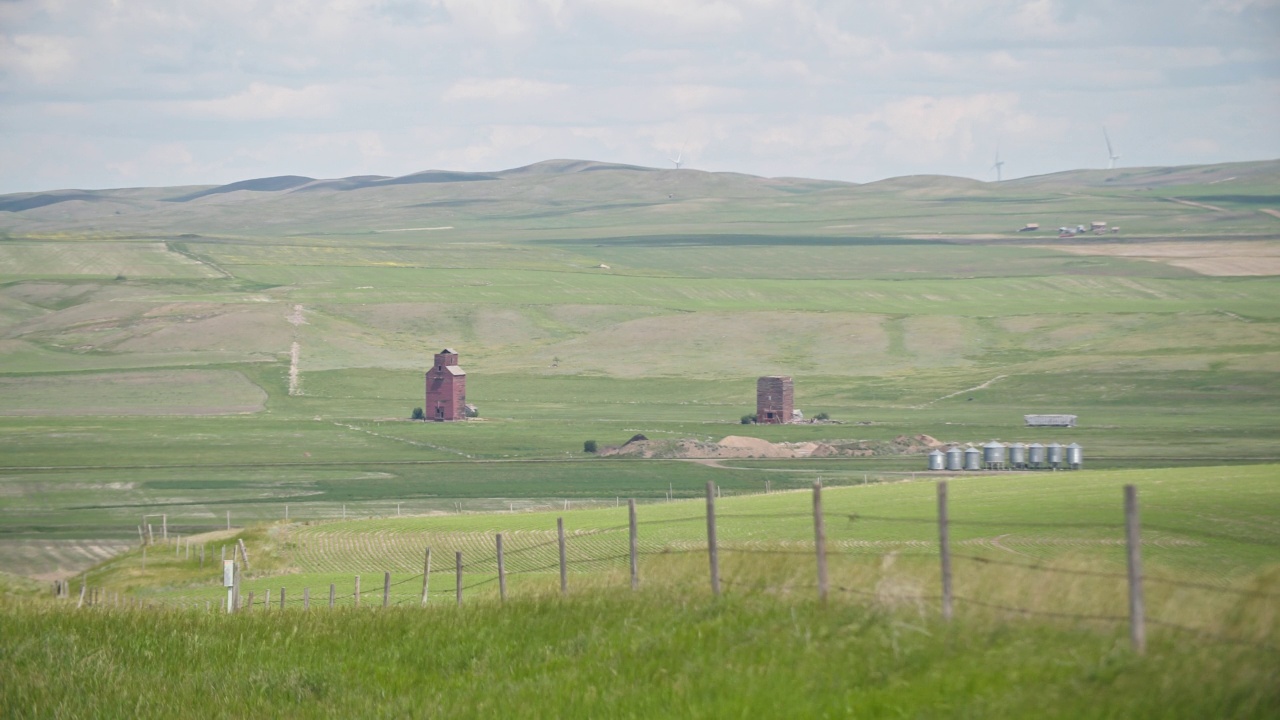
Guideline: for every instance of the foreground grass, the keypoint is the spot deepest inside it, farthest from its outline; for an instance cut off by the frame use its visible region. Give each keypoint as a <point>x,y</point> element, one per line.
<point>647,655</point>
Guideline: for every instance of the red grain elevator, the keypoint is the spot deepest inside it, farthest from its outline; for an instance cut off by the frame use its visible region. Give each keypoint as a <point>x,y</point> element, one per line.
<point>775,399</point>
<point>446,388</point>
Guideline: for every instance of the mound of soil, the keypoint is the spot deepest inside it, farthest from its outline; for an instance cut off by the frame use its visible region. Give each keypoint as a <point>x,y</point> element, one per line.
<point>738,446</point>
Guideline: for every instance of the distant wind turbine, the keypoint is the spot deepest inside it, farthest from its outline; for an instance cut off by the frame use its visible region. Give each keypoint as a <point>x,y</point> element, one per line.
<point>1112,157</point>
<point>998,164</point>
<point>677,158</point>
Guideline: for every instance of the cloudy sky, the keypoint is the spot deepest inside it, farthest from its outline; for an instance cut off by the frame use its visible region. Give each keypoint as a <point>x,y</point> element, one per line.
<point>117,93</point>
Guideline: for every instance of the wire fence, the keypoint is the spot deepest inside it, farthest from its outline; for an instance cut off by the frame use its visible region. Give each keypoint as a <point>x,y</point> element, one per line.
<point>1115,598</point>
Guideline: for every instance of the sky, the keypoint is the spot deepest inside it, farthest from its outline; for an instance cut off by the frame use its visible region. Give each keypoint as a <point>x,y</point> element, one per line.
<point>127,93</point>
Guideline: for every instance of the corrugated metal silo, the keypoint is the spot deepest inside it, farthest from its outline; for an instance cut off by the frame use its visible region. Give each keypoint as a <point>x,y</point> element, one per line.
<point>1035,455</point>
<point>937,460</point>
<point>1017,455</point>
<point>955,458</point>
<point>993,455</point>
<point>1075,456</point>
<point>1055,455</point>
<point>972,459</point>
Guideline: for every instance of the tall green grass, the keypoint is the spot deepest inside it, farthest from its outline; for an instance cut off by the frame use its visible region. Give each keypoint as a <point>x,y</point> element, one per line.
<point>655,654</point>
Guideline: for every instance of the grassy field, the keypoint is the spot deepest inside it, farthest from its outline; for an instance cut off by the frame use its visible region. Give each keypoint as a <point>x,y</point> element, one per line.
<point>146,340</point>
<point>648,656</point>
<point>1040,628</point>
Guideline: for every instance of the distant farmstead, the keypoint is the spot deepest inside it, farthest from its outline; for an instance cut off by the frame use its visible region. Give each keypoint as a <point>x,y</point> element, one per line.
<point>446,388</point>
<point>1050,420</point>
<point>775,400</point>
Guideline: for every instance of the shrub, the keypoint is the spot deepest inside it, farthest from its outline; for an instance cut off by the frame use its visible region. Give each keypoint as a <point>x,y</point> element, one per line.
<point>822,416</point>
<point>748,419</point>
<point>589,446</point>
<point>418,414</point>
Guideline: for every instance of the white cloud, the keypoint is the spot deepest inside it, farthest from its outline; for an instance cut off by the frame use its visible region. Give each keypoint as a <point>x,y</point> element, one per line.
<point>40,58</point>
<point>262,101</point>
<point>510,88</point>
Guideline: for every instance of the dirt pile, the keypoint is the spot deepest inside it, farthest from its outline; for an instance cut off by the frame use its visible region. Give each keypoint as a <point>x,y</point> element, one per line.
<point>738,446</point>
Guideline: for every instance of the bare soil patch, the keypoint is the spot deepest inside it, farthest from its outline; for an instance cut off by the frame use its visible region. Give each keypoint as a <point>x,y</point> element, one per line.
<point>1219,258</point>
<point>737,446</point>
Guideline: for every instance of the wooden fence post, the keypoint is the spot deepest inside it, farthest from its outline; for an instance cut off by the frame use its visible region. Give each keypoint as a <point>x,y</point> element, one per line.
<point>386,589</point>
<point>333,592</point>
<point>164,526</point>
<point>635,545</point>
<point>564,570</point>
<point>80,603</point>
<point>711,538</point>
<point>266,599</point>
<point>820,540</point>
<point>281,598</point>
<point>502,572</point>
<point>458,560</point>
<point>235,587</point>
<point>1133,542</point>
<point>151,535</point>
<point>306,598</point>
<point>201,554</point>
<point>244,553</point>
<point>250,599</point>
<point>426,574</point>
<point>944,548</point>
<point>228,519</point>
<point>357,595</point>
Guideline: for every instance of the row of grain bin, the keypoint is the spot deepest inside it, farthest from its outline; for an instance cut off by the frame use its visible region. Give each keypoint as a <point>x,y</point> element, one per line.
<point>1015,456</point>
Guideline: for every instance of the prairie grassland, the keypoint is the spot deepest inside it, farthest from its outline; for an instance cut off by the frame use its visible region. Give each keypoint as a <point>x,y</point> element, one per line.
<point>609,654</point>
<point>1040,627</point>
<point>884,301</point>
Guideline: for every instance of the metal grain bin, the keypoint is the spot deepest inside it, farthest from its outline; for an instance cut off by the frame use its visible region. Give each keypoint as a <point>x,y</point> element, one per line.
<point>993,455</point>
<point>955,458</point>
<point>972,459</point>
<point>1017,455</point>
<point>1075,456</point>
<point>1055,455</point>
<point>1035,455</point>
<point>937,460</point>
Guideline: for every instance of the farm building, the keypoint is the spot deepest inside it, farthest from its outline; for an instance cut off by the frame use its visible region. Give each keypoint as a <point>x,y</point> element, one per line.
<point>446,388</point>
<point>1050,420</point>
<point>775,400</point>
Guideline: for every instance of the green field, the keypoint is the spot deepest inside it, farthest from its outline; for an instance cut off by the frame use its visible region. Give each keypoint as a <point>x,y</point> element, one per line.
<point>1040,626</point>
<point>146,340</point>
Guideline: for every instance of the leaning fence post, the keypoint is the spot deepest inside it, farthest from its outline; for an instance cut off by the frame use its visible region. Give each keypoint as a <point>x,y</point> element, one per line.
<point>635,545</point>
<point>1133,541</point>
<point>564,570</point>
<point>502,573</point>
<point>711,538</point>
<point>386,589</point>
<point>426,574</point>
<point>458,561</point>
<point>82,589</point>
<point>944,548</point>
<point>820,540</point>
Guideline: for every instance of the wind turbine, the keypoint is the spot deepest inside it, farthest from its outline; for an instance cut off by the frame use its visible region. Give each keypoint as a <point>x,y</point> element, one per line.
<point>1112,157</point>
<point>677,158</point>
<point>998,164</point>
